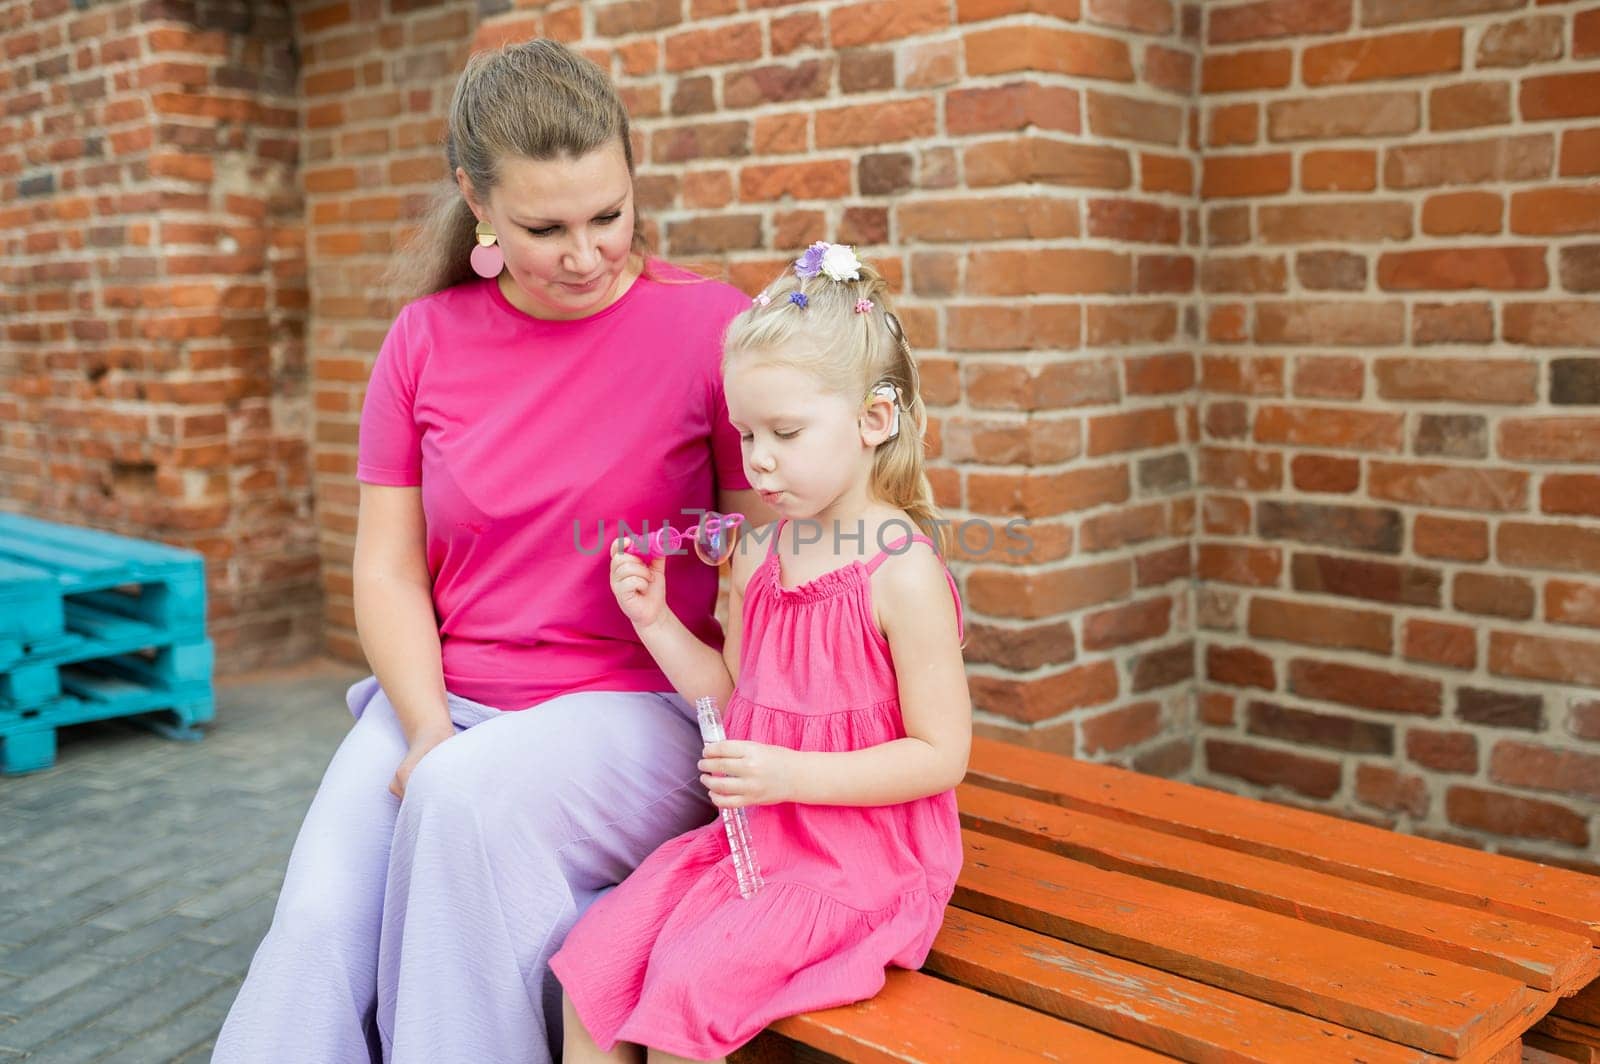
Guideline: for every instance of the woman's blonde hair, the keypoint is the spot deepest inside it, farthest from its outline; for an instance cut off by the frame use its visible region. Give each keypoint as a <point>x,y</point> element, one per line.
<point>851,353</point>
<point>535,100</point>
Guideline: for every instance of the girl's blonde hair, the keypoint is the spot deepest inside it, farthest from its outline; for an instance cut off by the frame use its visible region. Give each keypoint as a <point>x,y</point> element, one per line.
<point>535,100</point>
<point>850,353</point>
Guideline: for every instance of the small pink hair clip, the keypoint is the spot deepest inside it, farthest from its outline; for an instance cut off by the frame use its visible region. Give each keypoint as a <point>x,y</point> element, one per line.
<point>863,306</point>
<point>762,300</point>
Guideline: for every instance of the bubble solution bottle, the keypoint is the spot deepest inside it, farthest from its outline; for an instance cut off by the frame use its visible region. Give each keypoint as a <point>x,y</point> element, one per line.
<point>735,821</point>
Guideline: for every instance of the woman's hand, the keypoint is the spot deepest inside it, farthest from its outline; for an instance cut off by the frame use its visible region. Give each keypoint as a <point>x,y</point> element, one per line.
<point>641,590</point>
<point>420,745</point>
<point>739,773</point>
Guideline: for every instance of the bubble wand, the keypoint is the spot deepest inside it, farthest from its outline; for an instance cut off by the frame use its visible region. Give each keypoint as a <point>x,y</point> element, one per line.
<point>713,539</point>
<point>734,821</point>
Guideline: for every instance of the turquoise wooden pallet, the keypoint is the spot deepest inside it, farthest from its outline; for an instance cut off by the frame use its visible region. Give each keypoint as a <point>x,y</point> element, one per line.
<point>93,626</point>
<point>95,631</point>
<point>28,737</point>
<point>151,582</point>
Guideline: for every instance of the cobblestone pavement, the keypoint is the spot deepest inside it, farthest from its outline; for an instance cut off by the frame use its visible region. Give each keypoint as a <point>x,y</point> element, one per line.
<point>138,874</point>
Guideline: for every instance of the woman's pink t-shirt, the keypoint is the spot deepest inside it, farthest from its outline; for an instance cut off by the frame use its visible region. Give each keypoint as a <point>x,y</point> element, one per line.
<point>532,441</point>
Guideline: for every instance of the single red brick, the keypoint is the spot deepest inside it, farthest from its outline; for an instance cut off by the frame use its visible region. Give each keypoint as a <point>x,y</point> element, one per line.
<point>1495,268</point>
<point>1469,105</point>
<point>1245,175</point>
<point>1241,470</point>
<point>1473,162</point>
<point>1120,728</point>
<point>1226,516</point>
<point>1535,657</point>
<point>1313,777</point>
<point>1443,751</point>
<point>1325,626</point>
<point>1521,41</point>
<point>1246,71</point>
<point>1277,18</point>
<point>1004,593</point>
<point>1121,326</point>
<point>1560,96</point>
<point>1329,377</point>
<point>1365,688</point>
<point>1046,696</point>
<point>1233,124</point>
<point>1556,211</point>
<point>1360,114</point>
<point>1239,564</point>
<point>1387,788</point>
<point>1453,646</point>
<point>1457,213</point>
<point>1322,473</point>
<point>1235,375</point>
<point>1449,486</point>
<point>1396,55</point>
<point>1305,426</point>
<point>1580,152</point>
<point>1140,16</point>
<point>1498,813</point>
<point>1354,323</point>
<point>1160,374</point>
<point>1127,623</point>
<point>1240,667</point>
<point>1551,439</point>
<point>1010,48</point>
<point>1127,118</point>
<point>1570,493</point>
<point>1571,602</point>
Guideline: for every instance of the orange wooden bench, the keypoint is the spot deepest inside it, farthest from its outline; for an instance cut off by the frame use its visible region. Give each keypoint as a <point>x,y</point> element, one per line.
<point>1104,915</point>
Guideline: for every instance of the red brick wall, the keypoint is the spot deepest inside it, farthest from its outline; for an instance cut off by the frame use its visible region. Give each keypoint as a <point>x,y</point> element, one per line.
<point>152,351</point>
<point>1398,546</point>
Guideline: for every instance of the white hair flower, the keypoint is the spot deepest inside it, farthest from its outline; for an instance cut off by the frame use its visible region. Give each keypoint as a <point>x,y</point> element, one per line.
<point>840,263</point>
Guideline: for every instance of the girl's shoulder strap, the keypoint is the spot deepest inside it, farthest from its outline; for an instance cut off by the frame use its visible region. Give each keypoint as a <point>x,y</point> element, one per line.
<point>903,544</point>
<point>899,546</point>
<point>777,537</point>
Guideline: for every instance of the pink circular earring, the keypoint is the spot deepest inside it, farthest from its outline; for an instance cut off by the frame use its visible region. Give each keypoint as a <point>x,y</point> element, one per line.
<point>487,258</point>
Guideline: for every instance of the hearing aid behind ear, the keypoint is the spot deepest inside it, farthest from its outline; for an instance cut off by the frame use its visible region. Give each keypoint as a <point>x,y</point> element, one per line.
<point>713,539</point>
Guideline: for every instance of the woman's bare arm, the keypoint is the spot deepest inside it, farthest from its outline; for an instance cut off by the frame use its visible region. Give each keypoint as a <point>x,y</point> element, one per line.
<point>394,609</point>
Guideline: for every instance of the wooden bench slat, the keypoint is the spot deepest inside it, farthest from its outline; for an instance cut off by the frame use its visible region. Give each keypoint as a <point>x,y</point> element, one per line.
<point>1556,897</point>
<point>1535,954</point>
<point>1530,1055</point>
<point>1567,1052</point>
<point>1584,1034</point>
<point>916,1017</point>
<point>1391,993</point>
<point>1163,1012</point>
<point>1584,1006</point>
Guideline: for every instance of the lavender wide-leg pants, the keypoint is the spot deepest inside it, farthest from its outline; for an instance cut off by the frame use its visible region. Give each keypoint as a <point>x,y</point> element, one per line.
<point>419,932</point>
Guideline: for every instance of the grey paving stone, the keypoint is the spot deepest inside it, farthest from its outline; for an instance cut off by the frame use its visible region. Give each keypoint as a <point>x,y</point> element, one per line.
<point>62,1014</point>
<point>29,961</point>
<point>70,973</point>
<point>131,945</point>
<point>175,992</point>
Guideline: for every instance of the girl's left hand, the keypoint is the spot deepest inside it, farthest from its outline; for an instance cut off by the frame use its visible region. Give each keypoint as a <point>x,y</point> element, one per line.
<point>739,773</point>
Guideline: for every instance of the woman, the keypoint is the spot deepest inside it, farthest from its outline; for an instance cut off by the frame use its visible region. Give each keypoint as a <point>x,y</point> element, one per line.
<point>517,751</point>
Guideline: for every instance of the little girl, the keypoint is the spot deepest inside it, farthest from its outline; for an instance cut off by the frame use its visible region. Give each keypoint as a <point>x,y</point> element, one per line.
<point>850,723</point>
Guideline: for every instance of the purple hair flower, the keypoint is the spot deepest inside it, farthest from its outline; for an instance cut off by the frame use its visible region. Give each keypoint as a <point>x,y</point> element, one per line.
<point>799,299</point>
<point>810,264</point>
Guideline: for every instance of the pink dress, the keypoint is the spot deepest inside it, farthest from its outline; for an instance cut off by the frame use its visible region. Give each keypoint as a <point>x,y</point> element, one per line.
<point>674,958</point>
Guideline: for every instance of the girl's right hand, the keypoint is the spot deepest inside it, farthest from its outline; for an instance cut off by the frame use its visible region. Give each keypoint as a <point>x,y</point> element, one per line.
<point>420,745</point>
<point>641,589</point>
